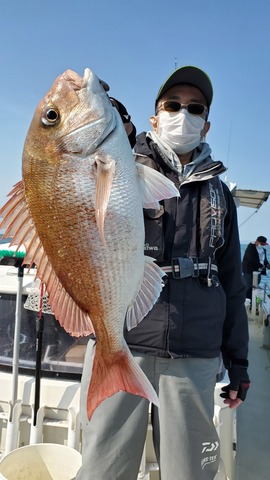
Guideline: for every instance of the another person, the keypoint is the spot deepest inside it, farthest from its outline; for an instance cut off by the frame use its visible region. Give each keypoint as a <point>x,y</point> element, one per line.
<point>254,260</point>
<point>199,316</point>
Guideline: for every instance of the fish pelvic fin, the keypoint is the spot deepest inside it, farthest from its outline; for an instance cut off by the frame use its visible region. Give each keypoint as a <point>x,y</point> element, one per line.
<point>105,169</point>
<point>19,225</point>
<point>117,372</point>
<point>154,186</point>
<point>147,295</point>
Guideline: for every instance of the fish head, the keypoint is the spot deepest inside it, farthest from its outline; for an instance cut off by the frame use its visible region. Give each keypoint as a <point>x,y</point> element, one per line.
<point>73,142</point>
<point>72,120</point>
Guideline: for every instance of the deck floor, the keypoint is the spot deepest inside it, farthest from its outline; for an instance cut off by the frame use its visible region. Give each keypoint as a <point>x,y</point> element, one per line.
<point>253,417</point>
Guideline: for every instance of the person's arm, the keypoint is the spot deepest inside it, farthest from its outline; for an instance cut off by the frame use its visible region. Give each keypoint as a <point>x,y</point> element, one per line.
<point>252,258</point>
<point>266,263</point>
<point>235,332</point>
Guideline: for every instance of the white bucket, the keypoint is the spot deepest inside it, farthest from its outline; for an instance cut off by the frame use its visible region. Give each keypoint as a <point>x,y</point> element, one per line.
<point>43,461</point>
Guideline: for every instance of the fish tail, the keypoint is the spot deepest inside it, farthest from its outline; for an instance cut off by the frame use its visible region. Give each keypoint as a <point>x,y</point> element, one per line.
<point>120,372</point>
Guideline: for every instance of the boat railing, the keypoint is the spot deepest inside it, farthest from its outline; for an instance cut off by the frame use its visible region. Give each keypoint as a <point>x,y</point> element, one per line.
<point>260,307</point>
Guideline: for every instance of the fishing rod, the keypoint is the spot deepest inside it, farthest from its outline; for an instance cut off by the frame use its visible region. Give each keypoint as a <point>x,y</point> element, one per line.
<point>39,336</point>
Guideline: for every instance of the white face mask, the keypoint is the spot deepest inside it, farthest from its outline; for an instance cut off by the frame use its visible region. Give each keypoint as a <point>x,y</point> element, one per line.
<point>259,248</point>
<point>181,131</point>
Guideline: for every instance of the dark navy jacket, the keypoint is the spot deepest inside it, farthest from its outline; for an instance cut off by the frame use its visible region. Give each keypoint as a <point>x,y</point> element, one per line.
<point>251,260</point>
<point>191,318</point>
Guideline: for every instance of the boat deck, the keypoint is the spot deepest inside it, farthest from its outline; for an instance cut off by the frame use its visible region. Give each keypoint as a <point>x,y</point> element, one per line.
<point>253,417</point>
<point>59,413</point>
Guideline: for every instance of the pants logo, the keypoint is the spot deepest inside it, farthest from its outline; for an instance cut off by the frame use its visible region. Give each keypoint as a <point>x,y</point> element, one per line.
<point>209,446</point>
<point>209,449</point>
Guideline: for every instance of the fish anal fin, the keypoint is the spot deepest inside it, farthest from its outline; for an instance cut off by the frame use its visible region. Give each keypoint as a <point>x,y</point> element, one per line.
<point>71,317</point>
<point>147,295</point>
<point>119,372</point>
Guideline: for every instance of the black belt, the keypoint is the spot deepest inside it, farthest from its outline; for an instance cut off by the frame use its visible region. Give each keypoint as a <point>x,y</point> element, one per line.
<point>183,267</point>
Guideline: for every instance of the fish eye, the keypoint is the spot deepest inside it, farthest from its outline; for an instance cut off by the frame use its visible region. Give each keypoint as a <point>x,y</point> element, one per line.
<point>51,116</point>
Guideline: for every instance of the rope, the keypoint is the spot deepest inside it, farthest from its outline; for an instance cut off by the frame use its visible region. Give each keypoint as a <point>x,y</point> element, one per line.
<point>248,218</point>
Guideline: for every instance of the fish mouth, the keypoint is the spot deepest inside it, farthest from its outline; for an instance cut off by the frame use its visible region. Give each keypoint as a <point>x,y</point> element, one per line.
<point>99,101</point>
<point>86,77</point>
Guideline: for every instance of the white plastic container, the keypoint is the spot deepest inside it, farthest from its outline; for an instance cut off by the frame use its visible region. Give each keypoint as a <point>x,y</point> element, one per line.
<point>43,461</point>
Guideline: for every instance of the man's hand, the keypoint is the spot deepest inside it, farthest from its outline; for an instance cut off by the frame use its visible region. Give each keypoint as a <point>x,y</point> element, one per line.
<point>235,393</point>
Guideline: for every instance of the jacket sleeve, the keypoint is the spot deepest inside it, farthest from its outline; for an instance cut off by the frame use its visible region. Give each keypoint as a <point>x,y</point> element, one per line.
<point>251,260</point>
<point>235,330</point>
<point>265,263</point>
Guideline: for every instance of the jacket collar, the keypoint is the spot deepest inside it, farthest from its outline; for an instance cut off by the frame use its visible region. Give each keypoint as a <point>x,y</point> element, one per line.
<point>202,166</point>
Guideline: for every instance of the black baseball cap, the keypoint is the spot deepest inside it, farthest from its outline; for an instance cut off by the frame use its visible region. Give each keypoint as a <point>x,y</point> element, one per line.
<point>192,76</point>
<point>263,240</point>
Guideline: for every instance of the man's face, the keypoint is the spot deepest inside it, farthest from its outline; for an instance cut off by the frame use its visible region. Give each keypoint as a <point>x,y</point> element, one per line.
<point>184,94</point>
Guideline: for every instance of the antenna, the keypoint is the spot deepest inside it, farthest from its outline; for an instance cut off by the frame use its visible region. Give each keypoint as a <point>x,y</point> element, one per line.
<point>229,145</point>
<point>175,63</point>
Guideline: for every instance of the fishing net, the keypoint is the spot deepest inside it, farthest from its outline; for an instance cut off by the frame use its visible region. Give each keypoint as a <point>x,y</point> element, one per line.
<point>33,299</point>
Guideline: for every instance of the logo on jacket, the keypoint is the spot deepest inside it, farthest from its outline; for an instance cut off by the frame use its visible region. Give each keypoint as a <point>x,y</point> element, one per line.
<point>214,215</point>
<point>150,247</point>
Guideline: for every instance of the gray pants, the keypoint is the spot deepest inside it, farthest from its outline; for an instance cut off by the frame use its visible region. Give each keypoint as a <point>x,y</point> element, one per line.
<point>185,439</point>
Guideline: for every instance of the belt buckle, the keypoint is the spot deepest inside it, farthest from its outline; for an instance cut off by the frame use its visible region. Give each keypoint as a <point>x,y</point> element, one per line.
<point>182,267</point>
<point>196,269</point>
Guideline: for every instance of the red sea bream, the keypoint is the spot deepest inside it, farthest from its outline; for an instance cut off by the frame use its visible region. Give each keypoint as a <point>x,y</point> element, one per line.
<point>79,213</point>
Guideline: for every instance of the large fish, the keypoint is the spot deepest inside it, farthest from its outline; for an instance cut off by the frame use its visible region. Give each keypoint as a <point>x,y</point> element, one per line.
<point>78,212</point>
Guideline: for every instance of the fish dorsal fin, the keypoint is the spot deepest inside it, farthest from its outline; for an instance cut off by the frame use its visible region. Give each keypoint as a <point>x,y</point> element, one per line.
<point>148,294</point>
<point>154,186</point>
<point>19,225</point>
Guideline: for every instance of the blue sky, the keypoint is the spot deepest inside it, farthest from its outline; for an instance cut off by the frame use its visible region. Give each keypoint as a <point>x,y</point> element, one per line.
<point>134,46</point>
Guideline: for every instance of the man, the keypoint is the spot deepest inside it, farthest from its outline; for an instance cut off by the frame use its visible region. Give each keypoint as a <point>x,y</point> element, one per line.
<point>200,313</point>
<point>254,260</point>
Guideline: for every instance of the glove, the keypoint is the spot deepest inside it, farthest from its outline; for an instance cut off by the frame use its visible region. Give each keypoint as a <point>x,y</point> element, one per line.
<point>121,109</point>
<point>126,118</point>
<point>239,380</point>
<point>104,85</point>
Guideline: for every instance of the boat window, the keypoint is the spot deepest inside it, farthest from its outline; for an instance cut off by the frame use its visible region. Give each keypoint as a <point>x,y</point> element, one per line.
<point>62,355</point>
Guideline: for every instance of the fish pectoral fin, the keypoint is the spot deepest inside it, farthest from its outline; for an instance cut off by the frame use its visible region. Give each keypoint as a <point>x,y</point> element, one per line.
<point>148,294</point>
<point>154,186</point>
<point>120,372</point>
<point>105,168</point>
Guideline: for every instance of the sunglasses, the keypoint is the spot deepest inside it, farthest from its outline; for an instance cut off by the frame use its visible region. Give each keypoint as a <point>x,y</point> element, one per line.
<point>173,106</point>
